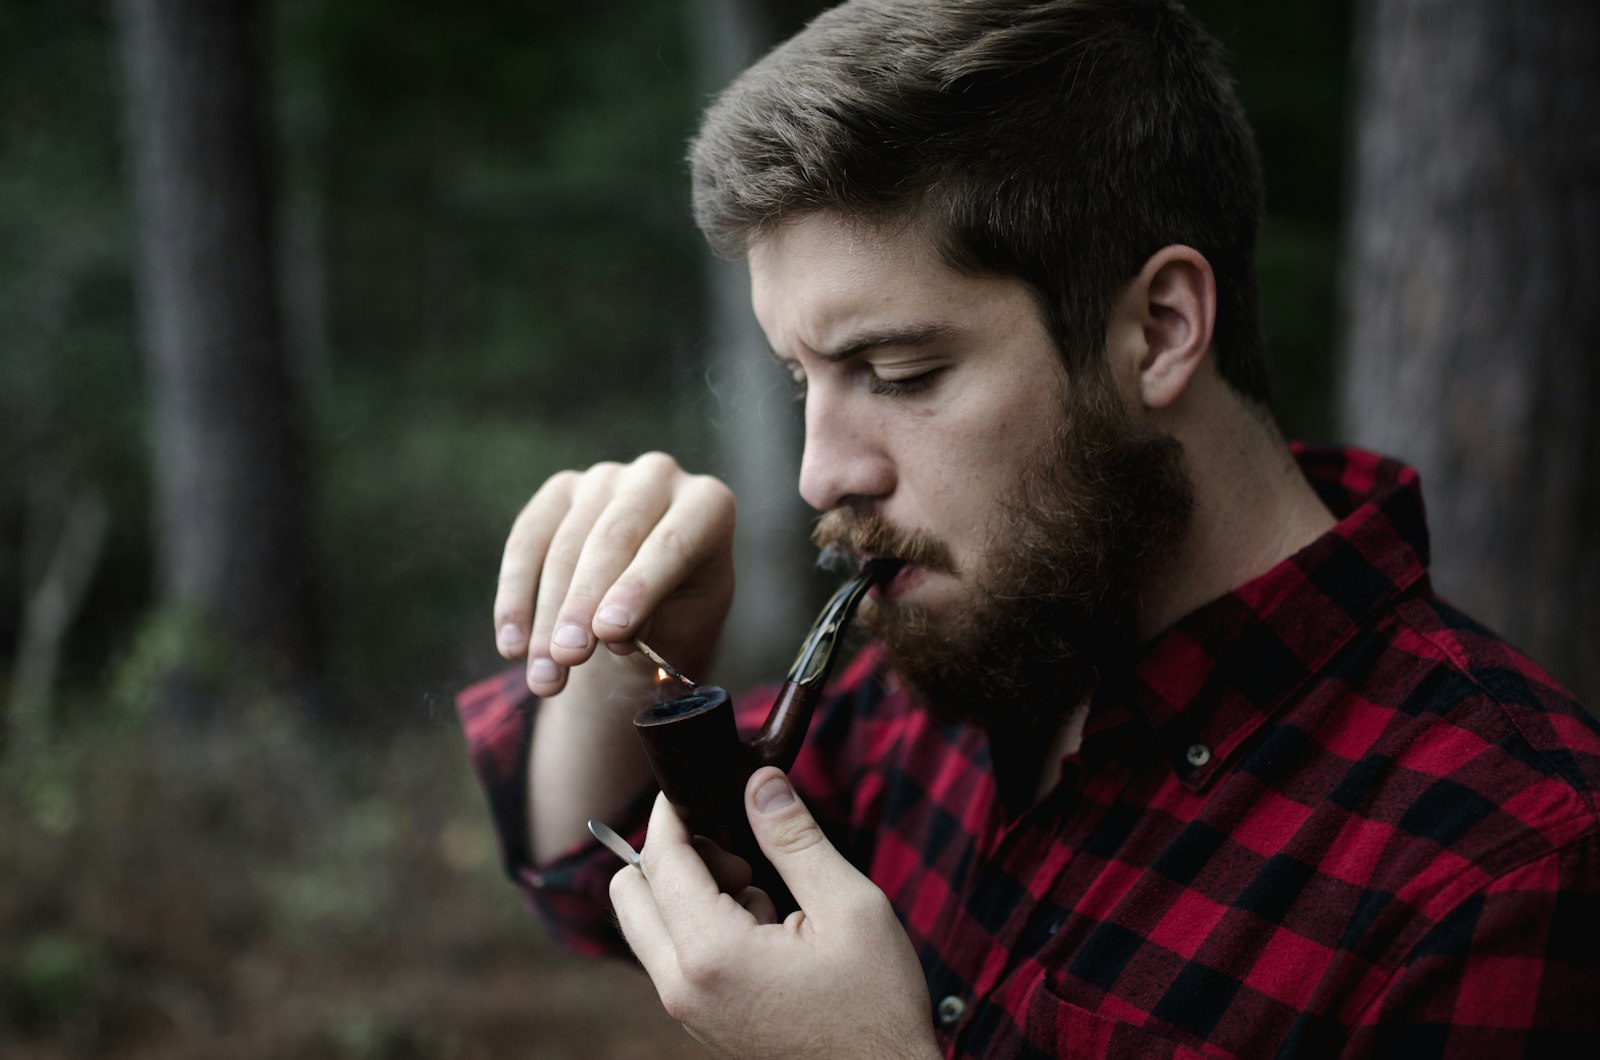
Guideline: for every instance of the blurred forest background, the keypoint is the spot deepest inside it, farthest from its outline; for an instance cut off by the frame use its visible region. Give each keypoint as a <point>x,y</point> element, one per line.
<point>299,301</point>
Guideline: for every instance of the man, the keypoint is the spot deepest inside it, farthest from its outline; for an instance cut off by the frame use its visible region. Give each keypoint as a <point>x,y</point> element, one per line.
<point>1165,746</point>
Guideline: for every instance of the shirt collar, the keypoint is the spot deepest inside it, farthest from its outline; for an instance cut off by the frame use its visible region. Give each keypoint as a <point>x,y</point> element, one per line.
<point>1212,679</point>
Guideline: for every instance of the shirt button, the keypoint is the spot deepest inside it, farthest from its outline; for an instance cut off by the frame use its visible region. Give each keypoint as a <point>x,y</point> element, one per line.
<point>1198,755</point>
<point>950,1010</point>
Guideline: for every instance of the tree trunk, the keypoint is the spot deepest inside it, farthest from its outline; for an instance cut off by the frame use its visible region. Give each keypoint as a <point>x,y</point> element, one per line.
<point>1474,338</point>
<point>223,421</point>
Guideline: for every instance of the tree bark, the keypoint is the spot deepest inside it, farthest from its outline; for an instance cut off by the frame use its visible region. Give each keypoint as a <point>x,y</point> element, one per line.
<point>1474,327</point>
<point>227,449</point>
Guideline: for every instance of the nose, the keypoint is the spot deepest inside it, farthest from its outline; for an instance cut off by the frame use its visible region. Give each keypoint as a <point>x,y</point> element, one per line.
<point>846,457</point>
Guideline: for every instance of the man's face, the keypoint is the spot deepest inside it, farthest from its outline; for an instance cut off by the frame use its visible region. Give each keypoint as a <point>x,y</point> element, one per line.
<point>941,428</point>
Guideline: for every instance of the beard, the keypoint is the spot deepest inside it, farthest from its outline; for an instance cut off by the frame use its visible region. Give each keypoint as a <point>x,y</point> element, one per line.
<point>1057,594</point>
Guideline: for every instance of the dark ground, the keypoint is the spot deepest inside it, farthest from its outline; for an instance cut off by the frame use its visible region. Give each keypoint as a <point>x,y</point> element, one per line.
<point>244,890</point>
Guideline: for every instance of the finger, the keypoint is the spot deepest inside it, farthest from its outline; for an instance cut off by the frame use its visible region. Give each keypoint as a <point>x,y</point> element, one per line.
<point>589,498</point>
<point>758,903</point>
<point>639,495</point>
<point>731,872</point>
<point>816,873</point>
<point>641,924</point>
<point>692,906</point>
<point>695,531</point>
<point>524,553</point>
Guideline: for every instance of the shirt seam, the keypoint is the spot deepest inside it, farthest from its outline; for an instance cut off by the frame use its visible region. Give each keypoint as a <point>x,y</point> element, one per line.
<point>1458,658</point>
<point>1589,834</point>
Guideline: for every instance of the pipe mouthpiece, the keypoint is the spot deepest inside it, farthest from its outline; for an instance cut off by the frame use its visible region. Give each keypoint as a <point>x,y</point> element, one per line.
<point>815,659</point>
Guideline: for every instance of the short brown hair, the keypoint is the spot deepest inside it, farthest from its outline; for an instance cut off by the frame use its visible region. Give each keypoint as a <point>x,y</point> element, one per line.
<point>1059,141</point>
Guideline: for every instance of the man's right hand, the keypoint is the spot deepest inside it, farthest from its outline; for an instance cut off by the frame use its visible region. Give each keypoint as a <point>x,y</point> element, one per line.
<point>613,553</point>
<point>600,557</point>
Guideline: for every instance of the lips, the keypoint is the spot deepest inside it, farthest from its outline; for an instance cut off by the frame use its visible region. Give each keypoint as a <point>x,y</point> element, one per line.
<point>902,582</point>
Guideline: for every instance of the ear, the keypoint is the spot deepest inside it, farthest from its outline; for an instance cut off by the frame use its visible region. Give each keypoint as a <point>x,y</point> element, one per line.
<point>1168,313</point>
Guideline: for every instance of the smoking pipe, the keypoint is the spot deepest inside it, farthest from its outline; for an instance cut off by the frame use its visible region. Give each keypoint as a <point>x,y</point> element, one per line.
<point>694,746</point>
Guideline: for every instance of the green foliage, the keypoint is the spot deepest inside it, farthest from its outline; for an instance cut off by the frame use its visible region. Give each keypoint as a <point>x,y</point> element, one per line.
<point>169,640</point>
<point>249,886</point>
<point>48,979</point>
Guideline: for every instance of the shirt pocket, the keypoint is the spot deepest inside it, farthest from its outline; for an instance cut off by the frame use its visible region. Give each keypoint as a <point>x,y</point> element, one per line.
<point>1060,1028</point>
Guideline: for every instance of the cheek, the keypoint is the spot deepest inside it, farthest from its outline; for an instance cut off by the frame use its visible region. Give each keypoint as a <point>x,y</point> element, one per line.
<point>971,467</point>
<point>996,443</point>
<point>972,452</point>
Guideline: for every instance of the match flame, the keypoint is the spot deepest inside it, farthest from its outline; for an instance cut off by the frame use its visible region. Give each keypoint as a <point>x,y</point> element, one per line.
<point>662,677</point>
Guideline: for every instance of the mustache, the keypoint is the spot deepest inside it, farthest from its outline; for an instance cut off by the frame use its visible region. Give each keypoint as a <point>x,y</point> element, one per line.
<point>870,534</point>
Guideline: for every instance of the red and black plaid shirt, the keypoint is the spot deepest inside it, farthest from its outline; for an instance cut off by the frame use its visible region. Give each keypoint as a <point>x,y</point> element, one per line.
<point>1325,814</point>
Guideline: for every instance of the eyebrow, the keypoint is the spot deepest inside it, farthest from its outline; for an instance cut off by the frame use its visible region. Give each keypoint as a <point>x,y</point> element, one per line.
<point>873,338</point>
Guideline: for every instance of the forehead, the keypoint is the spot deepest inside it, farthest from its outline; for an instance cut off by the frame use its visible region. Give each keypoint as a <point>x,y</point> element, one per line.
<point>821,275</point>
<point>821,279</point>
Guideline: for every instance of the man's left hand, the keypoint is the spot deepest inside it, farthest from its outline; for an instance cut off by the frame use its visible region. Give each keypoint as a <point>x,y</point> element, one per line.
<point>836,978</point>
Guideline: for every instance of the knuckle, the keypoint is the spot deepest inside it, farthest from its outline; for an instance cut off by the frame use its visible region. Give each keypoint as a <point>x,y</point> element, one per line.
<point>563,554</point>
<point>678,1003</point>
<point>795,836</point>
<point>676,544</point>
<point>514,573</point>
<point>655,463</point>
<point>580,600</point>
<point>710,490</point>
<point>621,532</point>
<point>715,499</point>
<point>701,965</point>
<point>561,484</point>
<point>866,907</point>
<point>597,481</point>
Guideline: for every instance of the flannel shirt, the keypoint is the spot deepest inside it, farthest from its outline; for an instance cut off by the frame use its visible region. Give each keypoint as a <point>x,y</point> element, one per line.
<point>1323,815</point>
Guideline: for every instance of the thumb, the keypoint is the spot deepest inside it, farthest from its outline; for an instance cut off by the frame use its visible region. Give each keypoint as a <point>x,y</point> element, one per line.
<point>815,872</point>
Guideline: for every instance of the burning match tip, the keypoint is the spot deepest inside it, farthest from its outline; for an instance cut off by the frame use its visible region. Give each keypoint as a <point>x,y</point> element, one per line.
<point>666,667</point>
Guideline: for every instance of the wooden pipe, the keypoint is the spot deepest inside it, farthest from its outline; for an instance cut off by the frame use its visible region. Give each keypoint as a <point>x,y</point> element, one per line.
<point>694,746</point>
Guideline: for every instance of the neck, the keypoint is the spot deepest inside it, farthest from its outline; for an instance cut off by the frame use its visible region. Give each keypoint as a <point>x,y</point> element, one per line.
<point>1253,509</point>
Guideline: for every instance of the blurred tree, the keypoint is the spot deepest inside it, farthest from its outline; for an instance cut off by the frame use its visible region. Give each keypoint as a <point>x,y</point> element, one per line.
<point>68,433</point>
<point>225,427</point>
<point>1474,339</point>
<point>759,430</point>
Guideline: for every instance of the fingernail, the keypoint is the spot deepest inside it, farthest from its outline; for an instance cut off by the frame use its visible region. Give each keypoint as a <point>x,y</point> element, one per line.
<point>510,635</point>
<point>774,795</point>
<point>544,671</point>
<point>572,636</point>
<point>612,615</point>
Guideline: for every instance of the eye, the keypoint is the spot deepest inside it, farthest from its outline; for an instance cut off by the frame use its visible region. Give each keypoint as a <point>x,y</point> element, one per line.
<point>906,387</point>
